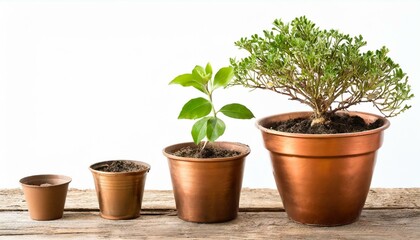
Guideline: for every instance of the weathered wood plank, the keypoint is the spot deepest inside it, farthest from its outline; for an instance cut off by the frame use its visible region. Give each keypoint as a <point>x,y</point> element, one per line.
<point>251,199</point>
<point>373,224</point>
<point>388,214</point>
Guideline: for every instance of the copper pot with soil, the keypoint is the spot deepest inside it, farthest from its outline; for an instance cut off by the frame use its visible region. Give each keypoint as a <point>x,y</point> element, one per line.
<point>207,186</point>
<point>323,179</point>
<point>45,195</point>
<point>119,187</point>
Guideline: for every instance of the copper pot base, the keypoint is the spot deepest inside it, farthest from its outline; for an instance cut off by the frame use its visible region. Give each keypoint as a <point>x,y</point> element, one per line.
<point>324,225</point>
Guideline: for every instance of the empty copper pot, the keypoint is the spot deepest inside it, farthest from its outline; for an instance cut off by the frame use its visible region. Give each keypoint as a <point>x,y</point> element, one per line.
<point>207,190</point>
<point>45,195</point>
<point>323,179</point>
<point>120,194</point>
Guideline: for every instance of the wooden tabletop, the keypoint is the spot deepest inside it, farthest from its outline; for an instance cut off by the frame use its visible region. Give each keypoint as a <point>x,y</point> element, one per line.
<point>388,214</point>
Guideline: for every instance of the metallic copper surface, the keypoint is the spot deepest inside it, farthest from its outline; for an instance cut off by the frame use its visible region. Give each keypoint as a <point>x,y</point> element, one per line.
<point>207,190</point>
<point>120,194</point>
<point>45,195</point>
<point>323,179</point>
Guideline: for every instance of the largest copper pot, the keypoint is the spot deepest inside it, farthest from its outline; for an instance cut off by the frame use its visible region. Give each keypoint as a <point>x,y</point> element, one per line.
<point>323,179</point>
<point>207,190</point>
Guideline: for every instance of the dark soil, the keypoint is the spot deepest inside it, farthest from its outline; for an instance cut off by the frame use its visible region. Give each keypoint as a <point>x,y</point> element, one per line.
<point>207,152</point>
<point>337,123</point>
<point>121,166</point>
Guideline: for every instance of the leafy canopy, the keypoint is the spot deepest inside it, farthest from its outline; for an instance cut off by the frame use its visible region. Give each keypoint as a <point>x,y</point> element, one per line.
<point>324,69</point>
<point>210,127</point>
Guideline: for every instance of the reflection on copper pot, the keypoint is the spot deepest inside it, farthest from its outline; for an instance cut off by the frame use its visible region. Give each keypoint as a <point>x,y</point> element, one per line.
<point>207,190</point>
<point>45,195</point>
<point>323,179</point>
<point>120,194</point>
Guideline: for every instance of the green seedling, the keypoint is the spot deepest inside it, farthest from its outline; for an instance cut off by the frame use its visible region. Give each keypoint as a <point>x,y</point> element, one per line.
<point>208,125</point>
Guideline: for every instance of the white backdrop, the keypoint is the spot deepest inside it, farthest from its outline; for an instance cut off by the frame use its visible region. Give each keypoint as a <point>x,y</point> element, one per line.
<point>86,81</point>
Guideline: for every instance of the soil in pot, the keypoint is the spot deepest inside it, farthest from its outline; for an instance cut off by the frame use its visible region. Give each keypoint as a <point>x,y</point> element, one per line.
<point>337,123</point>
<point>121,166</point>
<point>208,152</point>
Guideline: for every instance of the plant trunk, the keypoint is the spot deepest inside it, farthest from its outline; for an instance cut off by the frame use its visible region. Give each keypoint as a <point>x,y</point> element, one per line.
<point>319,120</point>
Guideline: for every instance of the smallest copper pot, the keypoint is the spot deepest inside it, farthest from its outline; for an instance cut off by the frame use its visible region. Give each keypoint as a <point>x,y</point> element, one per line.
<point>120,194</point>
<point>45,195</point>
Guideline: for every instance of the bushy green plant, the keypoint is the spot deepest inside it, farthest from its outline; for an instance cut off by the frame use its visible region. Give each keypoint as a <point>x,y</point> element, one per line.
<point>324,69</point>
<point>209,125</point>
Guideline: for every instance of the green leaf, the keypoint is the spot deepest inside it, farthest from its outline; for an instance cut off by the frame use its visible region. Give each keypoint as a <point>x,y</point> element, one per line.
<point>199,130</point>
<point>195,108</point>
<point>209,70</point>
<point>183,79</point>
<point>223,77</point>
<point>200,75</point>
<point>215,128</point>
<point>187,80</point>
<point>236,110</point>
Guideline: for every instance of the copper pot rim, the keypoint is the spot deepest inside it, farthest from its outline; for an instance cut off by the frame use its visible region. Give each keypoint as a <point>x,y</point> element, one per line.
<point>25,181</point>
<point>263,121</point>
<point>246,151</point>
<point>142,171</point>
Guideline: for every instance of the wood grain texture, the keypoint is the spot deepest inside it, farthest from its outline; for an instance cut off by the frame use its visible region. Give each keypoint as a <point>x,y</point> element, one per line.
<point>251,199</point>
<point>388,214</point>
<point>373,224</point>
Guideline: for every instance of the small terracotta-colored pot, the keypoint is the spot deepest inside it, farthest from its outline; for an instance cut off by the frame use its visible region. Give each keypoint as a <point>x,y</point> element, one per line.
<point>120,194</point>
<point>323,179</point>
<point>45,195</point>
<point>207,190</point>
